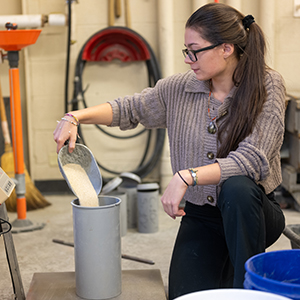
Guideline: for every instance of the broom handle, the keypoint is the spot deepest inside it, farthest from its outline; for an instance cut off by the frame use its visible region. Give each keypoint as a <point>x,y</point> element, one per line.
<point>118,8</point>
<point>4,123</point>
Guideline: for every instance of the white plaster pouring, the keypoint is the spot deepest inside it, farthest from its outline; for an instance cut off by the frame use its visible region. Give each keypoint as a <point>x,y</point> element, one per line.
<point>81,172</point>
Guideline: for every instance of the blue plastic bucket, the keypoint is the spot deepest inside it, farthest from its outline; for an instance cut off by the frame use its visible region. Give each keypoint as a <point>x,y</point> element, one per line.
<point>276,272</point>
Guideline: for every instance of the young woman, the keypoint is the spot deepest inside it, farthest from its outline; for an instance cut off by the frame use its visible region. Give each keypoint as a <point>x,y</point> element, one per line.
<point>225,121</point>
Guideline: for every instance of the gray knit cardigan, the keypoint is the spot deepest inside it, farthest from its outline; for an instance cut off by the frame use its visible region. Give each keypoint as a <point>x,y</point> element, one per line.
<point>180,104</point>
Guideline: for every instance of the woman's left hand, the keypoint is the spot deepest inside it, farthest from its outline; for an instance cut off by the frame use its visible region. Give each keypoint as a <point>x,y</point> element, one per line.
<point>173,196</point>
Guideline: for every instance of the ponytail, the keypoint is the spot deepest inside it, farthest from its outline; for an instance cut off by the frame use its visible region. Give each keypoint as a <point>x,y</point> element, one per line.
<point>250,95</point>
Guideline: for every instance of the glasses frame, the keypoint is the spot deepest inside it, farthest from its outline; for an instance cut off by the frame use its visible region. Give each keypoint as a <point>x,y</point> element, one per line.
<point>187,52</point>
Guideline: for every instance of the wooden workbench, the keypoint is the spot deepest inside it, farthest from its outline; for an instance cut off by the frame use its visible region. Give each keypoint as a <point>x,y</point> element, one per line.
<point>136,285</point>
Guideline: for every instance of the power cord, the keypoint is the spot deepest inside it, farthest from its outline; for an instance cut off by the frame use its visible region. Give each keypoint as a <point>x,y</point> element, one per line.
<point>2,221</point>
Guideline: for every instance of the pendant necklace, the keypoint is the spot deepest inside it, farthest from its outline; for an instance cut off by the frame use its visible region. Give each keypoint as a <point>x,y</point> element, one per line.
<point>211,128</point>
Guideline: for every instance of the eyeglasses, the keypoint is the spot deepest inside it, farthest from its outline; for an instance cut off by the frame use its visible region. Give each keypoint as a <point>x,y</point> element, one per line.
<point>192,53</point>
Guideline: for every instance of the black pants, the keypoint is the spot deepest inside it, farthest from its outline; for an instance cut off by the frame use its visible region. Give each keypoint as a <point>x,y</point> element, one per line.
<point>213,243</point>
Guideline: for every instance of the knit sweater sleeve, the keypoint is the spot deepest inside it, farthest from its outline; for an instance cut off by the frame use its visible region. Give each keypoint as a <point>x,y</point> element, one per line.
<point>256,155</point>
<point>147,108</point>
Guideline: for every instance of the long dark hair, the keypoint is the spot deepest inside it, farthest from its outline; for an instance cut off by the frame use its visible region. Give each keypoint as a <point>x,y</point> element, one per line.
<point>220,23</point>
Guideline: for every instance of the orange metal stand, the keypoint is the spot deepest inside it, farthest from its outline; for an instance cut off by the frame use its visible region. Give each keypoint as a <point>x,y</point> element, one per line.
<point>17,136</point>
<point>13,41</point>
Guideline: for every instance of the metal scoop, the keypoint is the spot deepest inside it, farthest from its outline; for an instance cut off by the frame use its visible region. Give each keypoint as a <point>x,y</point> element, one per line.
<point>82,156</point>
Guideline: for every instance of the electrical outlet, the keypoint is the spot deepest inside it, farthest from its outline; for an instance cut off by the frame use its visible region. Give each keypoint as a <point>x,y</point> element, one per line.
<point>297,8</point>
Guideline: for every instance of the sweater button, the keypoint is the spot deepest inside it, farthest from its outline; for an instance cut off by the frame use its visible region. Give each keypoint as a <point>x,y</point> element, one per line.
<point>210,155</point>
<point>210,199</point>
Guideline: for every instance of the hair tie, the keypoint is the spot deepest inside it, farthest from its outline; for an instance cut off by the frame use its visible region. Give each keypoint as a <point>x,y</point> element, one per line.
<point>247,21</point>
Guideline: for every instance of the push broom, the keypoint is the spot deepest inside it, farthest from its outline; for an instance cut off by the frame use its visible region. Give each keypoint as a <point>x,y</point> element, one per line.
<point>34,198</point>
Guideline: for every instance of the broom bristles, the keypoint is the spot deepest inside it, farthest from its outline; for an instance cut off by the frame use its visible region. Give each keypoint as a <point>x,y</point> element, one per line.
<point>34,198</point>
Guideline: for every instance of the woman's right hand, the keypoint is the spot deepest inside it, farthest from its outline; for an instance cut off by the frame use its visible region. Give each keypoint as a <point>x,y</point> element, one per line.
<point>66,130</point>
<point>173,196</point>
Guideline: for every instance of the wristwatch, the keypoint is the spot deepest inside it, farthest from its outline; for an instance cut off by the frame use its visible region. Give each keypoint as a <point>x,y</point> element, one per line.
<point>193,173</point>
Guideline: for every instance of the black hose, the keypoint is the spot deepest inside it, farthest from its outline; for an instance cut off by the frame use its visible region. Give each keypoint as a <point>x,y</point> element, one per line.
<point>78,90</point>
<point>154,74</point>
<point>2,221</point>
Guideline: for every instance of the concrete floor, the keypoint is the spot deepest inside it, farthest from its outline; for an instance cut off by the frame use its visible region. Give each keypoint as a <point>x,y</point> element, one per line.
<point>37,253</point>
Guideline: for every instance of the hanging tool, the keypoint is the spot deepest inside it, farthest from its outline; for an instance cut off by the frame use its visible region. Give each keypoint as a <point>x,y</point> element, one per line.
<point>118,8</point>
<point>115,9</point>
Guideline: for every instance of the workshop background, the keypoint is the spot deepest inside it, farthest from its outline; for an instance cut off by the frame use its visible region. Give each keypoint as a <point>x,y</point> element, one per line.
<point>47,76</point>
<point>161,24</point>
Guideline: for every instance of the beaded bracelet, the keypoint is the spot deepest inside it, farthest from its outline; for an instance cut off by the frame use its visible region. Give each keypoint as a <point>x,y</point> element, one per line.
<point>69,121</point>
<point>193,173</point>
<point>72,116</point>
<point>182,178</point>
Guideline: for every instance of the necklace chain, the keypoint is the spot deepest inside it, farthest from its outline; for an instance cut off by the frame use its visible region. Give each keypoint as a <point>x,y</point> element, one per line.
<point>208,109</point>
<point>212,126</point>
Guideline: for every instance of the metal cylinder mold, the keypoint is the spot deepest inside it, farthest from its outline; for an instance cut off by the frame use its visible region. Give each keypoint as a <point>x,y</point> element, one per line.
<point>123,210</point>
<point>97,249</point>
<point>148,207</point>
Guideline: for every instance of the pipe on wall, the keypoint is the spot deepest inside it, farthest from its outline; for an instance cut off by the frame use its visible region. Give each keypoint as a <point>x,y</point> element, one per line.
<point>34,21</point>
<point>267,23</point>
<point>237,4</point>
<point>166,58</point>
<point>198,3</point>
<point>166,37</point>
<point>60,19</point>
